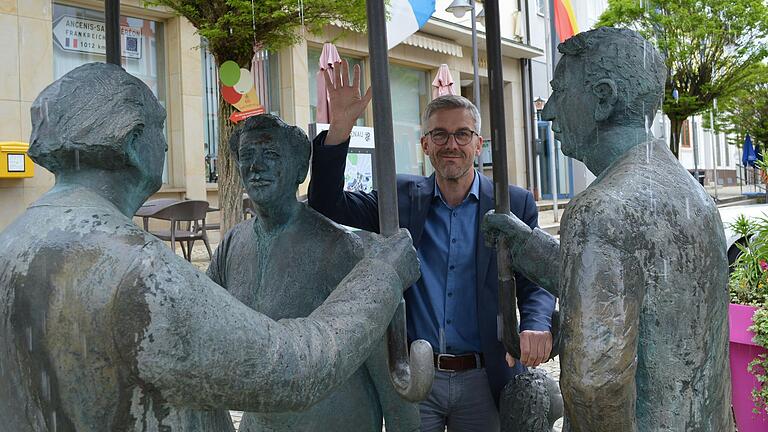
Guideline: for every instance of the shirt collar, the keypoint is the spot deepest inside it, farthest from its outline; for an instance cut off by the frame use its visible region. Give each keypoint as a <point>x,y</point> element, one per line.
<point>474,190</point>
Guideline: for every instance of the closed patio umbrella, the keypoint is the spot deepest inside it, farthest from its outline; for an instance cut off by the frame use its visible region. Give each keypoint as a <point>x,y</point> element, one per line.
<point>748,153</point>
<point>443,83</point>
<point>329,58</point>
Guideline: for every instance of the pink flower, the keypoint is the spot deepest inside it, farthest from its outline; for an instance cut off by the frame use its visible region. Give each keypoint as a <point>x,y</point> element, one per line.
<point>763,265</point>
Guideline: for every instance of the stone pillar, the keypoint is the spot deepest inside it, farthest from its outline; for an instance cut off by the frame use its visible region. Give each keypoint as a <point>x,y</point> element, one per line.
<point>26,69</point>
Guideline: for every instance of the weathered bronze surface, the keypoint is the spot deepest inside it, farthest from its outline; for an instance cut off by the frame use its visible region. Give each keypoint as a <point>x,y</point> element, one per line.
<point>103,327</point>
<point>641,267</point>
<point>266,261</point>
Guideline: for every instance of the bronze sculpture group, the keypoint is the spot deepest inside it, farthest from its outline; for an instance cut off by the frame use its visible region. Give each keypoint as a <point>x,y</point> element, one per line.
<point>102,327</point>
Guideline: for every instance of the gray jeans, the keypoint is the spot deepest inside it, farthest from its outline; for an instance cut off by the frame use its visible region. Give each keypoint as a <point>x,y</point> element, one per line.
<point>460,400</point>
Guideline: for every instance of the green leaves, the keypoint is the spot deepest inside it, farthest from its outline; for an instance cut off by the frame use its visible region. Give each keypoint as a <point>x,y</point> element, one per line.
<point>711,46</point>
<point>228,25</point>
<point>749,285</point>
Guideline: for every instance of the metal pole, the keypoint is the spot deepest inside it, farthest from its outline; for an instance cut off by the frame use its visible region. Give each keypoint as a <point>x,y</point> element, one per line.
<point>476,80</point>
<point>552,60</point>
<point>412,375</point>
<point>507,289</point>
<point>714,148</point>
<point>695,138</point>
<point>384,137</point>
<point>112,30</point>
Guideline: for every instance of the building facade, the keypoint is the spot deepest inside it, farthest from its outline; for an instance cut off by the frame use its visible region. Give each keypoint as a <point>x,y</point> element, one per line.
<point>44,39</point>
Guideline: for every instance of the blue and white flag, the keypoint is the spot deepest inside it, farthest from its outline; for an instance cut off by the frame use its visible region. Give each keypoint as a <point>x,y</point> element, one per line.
<point>406,17</point>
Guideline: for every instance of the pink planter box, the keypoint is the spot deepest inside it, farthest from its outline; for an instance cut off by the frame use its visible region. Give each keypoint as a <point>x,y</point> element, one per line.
<point>742,352</point>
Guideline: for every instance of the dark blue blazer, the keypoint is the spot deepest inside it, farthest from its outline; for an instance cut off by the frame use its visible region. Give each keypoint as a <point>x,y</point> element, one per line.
<point>414,195</point>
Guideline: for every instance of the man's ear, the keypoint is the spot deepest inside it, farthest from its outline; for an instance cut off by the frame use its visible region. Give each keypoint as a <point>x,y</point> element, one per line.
<point>424,144</point>
<point>607,95</point>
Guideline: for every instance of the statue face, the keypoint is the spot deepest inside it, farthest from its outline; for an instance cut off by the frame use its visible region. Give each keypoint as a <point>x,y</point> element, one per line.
<point>451,160</point>
<point>571,108</point>
<point>268,169</point>
<point>151,147</point>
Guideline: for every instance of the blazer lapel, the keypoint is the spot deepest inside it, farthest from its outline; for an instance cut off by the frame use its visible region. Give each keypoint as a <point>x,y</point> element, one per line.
<point>421,199</point>
<point>483,252</point>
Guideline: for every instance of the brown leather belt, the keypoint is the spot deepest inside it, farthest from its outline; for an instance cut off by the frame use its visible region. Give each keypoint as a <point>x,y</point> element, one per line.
<point>456,363</point>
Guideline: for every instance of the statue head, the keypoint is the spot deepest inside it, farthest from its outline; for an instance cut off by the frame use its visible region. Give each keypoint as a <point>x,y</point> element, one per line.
<point>607,77</point>
<point>100,117</point>
<point>273,158</point>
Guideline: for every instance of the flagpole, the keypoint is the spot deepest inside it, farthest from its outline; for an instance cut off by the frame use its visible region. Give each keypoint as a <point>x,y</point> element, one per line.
<point>550,136</point>
<point>112,30</point>
<point>411,377</point>
<point>507,288</point>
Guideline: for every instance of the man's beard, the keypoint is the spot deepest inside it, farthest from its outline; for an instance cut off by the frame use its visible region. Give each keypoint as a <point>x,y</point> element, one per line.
<point>451,171</point>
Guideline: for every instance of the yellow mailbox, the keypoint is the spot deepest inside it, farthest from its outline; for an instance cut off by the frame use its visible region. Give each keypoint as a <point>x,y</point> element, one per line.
<point>14,161</point>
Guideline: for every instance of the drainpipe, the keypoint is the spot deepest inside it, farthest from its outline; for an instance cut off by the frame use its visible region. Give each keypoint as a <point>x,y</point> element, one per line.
<point>529,125</point>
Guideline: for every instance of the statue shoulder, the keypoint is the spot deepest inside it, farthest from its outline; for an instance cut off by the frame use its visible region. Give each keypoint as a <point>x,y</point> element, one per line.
<point>328,232</point>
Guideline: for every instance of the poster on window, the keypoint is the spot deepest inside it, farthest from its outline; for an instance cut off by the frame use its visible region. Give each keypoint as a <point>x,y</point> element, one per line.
<point>358,173</point>
<point>89,36</point>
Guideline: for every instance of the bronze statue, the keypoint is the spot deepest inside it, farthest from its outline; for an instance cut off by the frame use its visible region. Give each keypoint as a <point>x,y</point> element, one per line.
<point>103,327</point>
<point>266,261</point>
<point>639,268</point>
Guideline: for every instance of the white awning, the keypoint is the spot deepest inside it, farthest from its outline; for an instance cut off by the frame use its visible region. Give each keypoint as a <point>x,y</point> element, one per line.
<point>434,44</point>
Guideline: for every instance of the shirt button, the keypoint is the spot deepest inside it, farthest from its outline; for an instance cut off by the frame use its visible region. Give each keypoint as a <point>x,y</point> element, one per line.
<point>449,347</point>
<point>449,321</point>
<point>451,267</point>
<point>453,241</point>
<point>450,294</point>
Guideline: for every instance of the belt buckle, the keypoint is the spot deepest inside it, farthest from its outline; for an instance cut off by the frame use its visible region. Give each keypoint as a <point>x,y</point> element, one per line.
<point>439,357</point>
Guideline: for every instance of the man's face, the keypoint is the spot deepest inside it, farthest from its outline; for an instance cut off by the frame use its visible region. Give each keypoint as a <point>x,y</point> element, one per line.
<point>268,170</point>
<point>451,160</point>
<point>571,108</point>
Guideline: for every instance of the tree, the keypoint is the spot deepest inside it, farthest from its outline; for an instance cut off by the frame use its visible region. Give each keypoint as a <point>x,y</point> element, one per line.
<point>747,111</point>
<point>233,28</point>
<point>711,47</point>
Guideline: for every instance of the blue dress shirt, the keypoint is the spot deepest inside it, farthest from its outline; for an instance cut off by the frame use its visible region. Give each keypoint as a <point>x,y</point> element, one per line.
<point>442,305</point>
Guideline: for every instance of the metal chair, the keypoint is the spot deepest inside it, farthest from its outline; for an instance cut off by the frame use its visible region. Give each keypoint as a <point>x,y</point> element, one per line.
<point>187,225</point>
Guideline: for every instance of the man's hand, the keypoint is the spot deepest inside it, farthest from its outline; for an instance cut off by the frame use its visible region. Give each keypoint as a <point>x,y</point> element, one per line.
<point>346,104</point>
<point>535,347</point>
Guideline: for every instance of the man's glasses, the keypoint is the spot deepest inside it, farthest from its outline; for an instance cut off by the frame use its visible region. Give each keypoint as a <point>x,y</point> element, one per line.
<point>440,137</point>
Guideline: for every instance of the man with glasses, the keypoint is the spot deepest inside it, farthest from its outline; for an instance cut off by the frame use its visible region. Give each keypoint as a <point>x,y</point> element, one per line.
<point>454,305</point>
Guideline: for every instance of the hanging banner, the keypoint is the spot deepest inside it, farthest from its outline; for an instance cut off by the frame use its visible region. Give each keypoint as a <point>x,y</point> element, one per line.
<point>89,36</point>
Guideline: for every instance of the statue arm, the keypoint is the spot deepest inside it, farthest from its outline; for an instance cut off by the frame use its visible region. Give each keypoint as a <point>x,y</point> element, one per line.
<point>399,414</point>
<point>600,336</point>
<point>534,253</point>
<point>538,259</point>
<point>202,348</point>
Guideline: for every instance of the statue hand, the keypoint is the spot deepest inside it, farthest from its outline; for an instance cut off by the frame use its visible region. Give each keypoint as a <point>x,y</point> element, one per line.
<point>345,102</point>
<point>398,252</point>
<point>513,229</point>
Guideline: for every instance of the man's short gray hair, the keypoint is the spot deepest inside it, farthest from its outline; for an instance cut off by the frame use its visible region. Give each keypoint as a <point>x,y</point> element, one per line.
<point>449,102</point>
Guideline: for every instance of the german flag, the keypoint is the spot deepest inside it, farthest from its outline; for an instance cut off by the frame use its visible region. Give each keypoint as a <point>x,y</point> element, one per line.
<point>565,19</point>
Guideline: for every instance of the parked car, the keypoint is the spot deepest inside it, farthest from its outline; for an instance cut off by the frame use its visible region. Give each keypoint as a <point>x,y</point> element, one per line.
<point>729,215</point>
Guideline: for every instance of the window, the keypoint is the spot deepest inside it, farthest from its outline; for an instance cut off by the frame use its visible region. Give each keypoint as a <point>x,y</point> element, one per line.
<point>313,57</point>
<point>79,38</point>
<point>267,66</point>
<point>685,134</point>
<point>410,96</point>
<point>541,7</point>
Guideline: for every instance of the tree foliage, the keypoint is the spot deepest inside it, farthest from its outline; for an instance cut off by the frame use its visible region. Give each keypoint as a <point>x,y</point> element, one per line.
<point>232,29</point>
<point>710,46</point>
<point>746,112</point>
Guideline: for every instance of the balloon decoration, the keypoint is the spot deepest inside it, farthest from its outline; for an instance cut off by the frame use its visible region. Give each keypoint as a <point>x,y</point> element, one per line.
<point>238,90</point>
